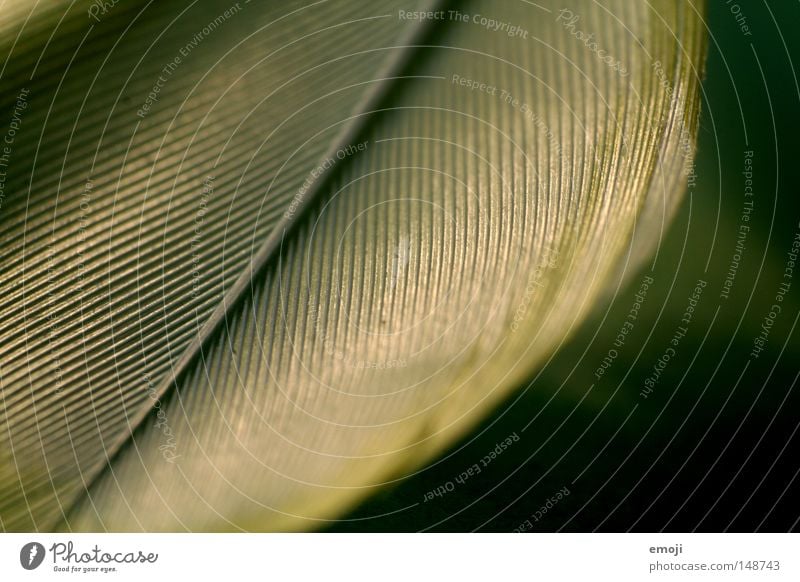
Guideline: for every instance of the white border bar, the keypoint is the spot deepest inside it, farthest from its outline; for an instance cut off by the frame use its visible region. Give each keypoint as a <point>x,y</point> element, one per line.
<point>405,557</point>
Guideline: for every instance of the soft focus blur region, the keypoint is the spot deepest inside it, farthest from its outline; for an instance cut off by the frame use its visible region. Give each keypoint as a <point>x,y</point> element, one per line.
<point>685,421</point>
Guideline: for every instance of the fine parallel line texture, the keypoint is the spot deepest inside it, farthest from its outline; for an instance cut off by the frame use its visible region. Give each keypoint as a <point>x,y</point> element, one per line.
<point>468,238</point>
<point>126,215</point>
<point>351,131</point>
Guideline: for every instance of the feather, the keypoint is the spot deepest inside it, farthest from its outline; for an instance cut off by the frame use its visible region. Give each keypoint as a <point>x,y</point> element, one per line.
<point>337,238</point>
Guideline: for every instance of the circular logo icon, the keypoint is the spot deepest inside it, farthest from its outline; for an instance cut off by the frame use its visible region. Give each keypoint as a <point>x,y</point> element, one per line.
<point>31,555</point>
